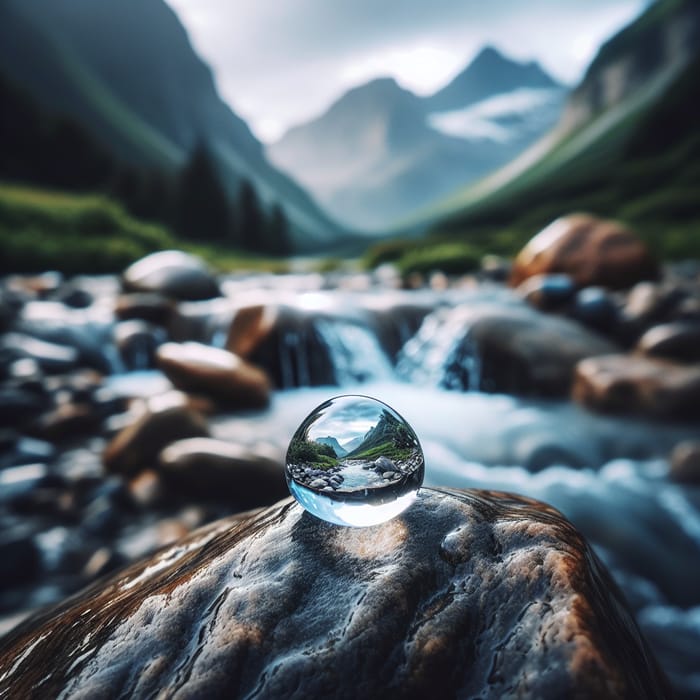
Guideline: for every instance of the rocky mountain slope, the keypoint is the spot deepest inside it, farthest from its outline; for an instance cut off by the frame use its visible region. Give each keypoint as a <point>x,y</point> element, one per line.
<point>627,146</point>
<point>381,153</point>
<point>128,72</point>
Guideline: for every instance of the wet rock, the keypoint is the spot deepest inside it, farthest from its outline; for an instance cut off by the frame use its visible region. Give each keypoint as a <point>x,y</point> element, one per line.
<point>635,384</point>
<point>397,323</point>
<point>171,273</point>
<point>10,305</point>
<point>685,462</point>
<point>164,420</point>
<point>40,286</point>
<point>146,489</point>
<point>214,372</point>
<point>285,342</point>
<point>74,296</point>
<point>547,292</point>
<point>465,594</point>
<point>222,471</point>
<point>384,464</point>
<point>137,342</point>
<point>19,483</point>
<point>500,349</point>
<point>592,251</point>
<point>18,406</point>
<point>674,341</point>
<point>91,341</point>
<point>16,450</point>
<point>649,303</point>
<point>152,307</point>
<point>51,357</point>
<point>249,328</point>
<point>65,421</point>
<point>596,307</point>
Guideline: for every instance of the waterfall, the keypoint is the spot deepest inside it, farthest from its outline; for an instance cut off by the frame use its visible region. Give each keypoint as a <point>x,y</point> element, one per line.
<point>355,352</point>
<point>442,353</point>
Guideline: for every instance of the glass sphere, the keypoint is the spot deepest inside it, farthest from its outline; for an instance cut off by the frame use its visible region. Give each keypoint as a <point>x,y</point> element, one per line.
<point>354,461</point>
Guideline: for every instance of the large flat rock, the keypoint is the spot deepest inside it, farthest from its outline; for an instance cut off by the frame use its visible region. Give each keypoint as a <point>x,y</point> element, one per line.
<point>467,593</point>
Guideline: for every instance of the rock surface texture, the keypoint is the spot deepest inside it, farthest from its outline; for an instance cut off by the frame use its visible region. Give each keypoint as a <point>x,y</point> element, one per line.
<point>590,250</point>
<point>637,384</point>
<point>467,593</point>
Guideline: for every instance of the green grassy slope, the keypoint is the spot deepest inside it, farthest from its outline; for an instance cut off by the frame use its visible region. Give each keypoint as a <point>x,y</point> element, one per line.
<point>127,72</point>
<point>644,170</point>
<point>90,234</point>
<point>636,160</point>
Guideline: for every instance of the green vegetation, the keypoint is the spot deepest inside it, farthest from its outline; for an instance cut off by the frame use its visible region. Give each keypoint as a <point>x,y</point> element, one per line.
<point>311,453</point>
<point>45,230</point>
<point>40,230</point>
<point>643,170</point>
<point>389,438</point>
<point>40,148</point>
<point>425,256</point>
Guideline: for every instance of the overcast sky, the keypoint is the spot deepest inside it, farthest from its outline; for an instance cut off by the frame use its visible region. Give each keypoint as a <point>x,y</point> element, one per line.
<point>281,62</point>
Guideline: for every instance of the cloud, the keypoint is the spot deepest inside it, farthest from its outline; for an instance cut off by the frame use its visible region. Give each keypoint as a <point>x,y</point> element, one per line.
<point>279,62</point>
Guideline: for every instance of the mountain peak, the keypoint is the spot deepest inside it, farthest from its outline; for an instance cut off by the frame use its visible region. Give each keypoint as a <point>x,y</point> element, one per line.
<point>489,73</point>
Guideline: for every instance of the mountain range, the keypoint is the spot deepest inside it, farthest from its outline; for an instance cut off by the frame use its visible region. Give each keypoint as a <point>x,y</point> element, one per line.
<point>380,152</point>
<point>627,145</point>
<point>334,444</point>
<point>126,72</point>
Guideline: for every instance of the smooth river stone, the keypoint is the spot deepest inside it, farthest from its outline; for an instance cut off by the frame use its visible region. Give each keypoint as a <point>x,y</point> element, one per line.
<point>467,593</point>
<point>224,471</point>
<point>592,251</point>
<point>214,372</point>
<point>163,420</point>
<point>285,342</point>
<point>638,385</point>
<point>171,273</point>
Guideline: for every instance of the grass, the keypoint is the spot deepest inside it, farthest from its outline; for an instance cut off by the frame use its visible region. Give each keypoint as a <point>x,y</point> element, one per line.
<point>387,449</point>
<point>48,230</point>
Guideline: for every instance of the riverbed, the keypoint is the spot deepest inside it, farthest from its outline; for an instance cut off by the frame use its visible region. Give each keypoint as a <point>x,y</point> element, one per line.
<point>608,474</point>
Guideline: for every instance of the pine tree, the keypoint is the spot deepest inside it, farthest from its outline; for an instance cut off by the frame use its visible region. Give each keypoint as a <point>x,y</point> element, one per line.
<point>250,217</point>
<point>277,238</point>
<point>203,209</point>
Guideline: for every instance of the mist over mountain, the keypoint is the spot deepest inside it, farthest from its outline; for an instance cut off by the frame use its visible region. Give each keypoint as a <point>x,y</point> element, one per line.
<point>627,145</point>
<point>490,73</point>
<point>126,71</point>
<point>381,152</point>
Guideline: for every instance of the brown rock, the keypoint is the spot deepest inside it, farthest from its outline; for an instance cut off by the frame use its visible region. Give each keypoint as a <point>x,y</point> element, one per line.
<point>282,340</point>
<point>674,341</point>
<point>685,462</point>
<point>249,328</point>
<point>219,470</point>
<point>165,419</point>
<point>146,489</point>
<point>503,349</point>
<point>65,421</point>
<point>592,251</point>
<point>635,384</point>
<point>467,593</point>
<point>214,372</point>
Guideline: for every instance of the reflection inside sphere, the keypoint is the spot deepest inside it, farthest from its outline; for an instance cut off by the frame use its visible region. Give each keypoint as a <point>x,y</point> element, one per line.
<point>354,461</point>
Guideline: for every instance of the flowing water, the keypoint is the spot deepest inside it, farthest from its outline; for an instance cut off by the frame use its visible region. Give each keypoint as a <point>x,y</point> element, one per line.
<point>608,475</point>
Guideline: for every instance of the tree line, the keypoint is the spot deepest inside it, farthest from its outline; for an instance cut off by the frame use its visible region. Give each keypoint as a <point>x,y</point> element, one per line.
<point>48,150</point>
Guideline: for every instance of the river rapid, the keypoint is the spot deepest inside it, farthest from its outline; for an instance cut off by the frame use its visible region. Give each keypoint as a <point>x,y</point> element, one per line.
<point>608,474</point>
